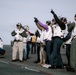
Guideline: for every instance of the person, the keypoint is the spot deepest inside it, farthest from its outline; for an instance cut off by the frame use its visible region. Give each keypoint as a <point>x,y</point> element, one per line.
<point>38,46</point>
<point>18,42</point>
<point>58,30</point>
<point>25,42</point>
<point>2,51</point>
<point>33,41</point>
<point>47,37</point>
<point>42,54</point>
<point>73,49</point>
<point>69,27</point>
<point>28,42</point>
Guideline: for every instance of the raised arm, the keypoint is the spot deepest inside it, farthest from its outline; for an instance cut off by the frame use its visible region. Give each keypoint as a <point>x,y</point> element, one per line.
<point>61,24</point>
<point>41,24</point>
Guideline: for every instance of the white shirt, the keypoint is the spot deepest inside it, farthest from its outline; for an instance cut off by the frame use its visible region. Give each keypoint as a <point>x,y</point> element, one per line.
<point>57,31</point>
<point>48,34</point>
<point>66,31</point>
<point>17,36</point>
<point>38,40</point>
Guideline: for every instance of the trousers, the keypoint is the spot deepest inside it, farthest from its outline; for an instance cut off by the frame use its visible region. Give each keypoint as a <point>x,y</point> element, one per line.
<point>18,46</point>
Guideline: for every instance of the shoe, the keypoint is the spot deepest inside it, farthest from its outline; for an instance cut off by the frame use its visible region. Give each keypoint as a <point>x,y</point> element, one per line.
<point>13,60</point>
<point>24,59</point>
<point>60,67</point>
<point>36,62</point>
<point>21,60</point>
<point>69,69</point>
<point>52,67</point>
<point>46,65</point>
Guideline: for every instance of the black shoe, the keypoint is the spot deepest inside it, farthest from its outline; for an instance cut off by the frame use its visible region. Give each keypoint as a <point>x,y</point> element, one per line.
<point>52,67</point>
<point>69,69</point>
<point>60,67</point>
<point>36,62</point>
<point>24,59</point>
<point>21,60</point>
<point>13,60</point>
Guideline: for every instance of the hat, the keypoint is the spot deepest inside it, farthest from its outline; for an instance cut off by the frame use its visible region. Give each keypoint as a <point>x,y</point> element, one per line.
<point>19,24</point>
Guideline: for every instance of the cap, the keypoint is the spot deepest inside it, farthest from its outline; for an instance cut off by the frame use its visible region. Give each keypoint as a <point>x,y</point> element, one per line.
<point>19,24</point>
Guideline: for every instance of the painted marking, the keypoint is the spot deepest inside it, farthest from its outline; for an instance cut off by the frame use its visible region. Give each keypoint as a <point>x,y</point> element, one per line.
<point>4,62</point>
<point>30,69</point>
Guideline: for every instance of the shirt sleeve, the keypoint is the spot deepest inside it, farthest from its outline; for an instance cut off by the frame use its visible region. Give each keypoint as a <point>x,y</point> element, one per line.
<point>43,25</point>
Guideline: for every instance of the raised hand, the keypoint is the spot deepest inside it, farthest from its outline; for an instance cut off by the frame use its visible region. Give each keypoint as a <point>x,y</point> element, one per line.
<point>35,20</point>
<point>52,11</point>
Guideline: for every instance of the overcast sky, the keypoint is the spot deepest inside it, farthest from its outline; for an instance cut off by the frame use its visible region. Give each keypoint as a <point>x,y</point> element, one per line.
<point>24,11</point>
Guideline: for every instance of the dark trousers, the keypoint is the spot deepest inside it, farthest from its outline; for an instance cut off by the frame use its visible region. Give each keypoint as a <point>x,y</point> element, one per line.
<point>33,50</point>
<point>68,46</point>
<point>28,50</point>
<point>2,51</point>
<point>48,51</point>
<point>38,52</point>
<point>56,56</point>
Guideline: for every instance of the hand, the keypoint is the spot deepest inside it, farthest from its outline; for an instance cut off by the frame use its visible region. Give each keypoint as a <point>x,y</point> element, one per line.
<point>20,34</point>
<point>36,20</point>
<point>52,11</point>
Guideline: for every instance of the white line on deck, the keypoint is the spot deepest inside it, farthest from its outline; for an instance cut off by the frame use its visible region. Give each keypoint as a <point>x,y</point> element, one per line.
<point>31,69</point>
<point>4,62</point>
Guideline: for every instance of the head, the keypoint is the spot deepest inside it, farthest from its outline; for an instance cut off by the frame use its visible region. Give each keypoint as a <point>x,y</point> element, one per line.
<point>75,17</point>
<point>64,20</point>
<point>48,23</point>
<point>53,21</point>
<point>26,27</point>
<point>18,26</point>
<point>37,33</point>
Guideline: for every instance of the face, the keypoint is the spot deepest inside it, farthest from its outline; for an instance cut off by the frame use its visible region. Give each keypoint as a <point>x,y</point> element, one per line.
<point>65,22</point>
<point>75,18</point>
<point>19,27</point>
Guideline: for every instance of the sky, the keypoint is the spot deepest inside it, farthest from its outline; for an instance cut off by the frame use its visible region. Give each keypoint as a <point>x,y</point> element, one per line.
<point>24,11</point>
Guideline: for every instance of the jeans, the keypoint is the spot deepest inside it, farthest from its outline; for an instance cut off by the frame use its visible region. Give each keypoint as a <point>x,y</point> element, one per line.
<point>24,52</point>
<point>56,56</point>
<point>48,51</point>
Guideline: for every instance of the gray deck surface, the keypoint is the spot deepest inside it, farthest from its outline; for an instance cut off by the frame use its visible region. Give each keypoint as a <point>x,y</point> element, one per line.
<point>28,67</point>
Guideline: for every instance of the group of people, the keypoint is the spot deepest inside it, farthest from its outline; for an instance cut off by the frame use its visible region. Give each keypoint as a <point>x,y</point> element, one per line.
<point>54,34</point>
<point>48,42</point>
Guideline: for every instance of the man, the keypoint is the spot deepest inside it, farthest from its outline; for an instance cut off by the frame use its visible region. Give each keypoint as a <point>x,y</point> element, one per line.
<point>33,41</point>
<point>18,43</point>
<point>25,42</point>
<point>38,46</point>
<point>58,29</point>
<point>47,37</point>
<point>73,49</point>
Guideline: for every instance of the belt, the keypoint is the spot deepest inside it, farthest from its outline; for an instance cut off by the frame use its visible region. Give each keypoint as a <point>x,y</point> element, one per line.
<point>17,41</point>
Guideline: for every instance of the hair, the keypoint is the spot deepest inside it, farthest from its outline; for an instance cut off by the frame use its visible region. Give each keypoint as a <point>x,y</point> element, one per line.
<point>75,15</point>
<point>48,22</point>
<point>64,19</point>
